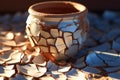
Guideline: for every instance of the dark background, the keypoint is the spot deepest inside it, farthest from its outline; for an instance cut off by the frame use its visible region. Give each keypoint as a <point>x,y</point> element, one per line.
<point>11,6</point>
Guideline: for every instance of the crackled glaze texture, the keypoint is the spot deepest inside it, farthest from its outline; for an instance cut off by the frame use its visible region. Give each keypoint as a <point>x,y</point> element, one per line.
<point>60,31</point>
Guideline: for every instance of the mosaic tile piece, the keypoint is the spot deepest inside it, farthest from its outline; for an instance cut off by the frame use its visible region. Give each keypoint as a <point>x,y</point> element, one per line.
<point>42,42</point>
<point>54,33</point>
<point>45,34</point>
<point>60,45</point>
<point>68,39</point>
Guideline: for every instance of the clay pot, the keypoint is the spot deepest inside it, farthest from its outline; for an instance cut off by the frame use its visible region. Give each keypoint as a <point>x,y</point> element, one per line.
<point>59,28</point>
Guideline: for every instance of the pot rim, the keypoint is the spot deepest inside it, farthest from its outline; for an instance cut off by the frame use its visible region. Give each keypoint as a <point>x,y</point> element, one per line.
<point>82,10</point>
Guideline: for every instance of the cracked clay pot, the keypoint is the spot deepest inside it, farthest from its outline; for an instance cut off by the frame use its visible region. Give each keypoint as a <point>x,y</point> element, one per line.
<point>59,28</point>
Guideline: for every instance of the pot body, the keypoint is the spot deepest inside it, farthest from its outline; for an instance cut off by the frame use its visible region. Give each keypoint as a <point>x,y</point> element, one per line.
<point>58,28</point>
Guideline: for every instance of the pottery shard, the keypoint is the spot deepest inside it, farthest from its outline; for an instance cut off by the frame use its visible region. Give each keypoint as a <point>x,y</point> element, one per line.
<point>51,41</point>
<point>45,34</point>
<point>77,34</point>
<point>39,60</point>
<point>67,26</point>
<point>44,49</point>
<point>53,49</point>
<point>32,70</point>
<point>65,68</point>
<point>54,32</point>
<point>72,50</point>
<point>35,29</point>
<point>68,39</point>
<point>42,42</point>
<point>7,71</point>
<point>60,45</point>
<point>15,57</point>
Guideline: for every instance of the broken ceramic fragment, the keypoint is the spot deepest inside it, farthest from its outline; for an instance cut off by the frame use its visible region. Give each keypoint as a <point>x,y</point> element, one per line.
<point>42,42</point>
<point>60,45</point>
<point>65,68</point>
<point>54,33</point>
<point>35,29</point>
<point>7,71</point>
<point>110,58</point>
<point>94,61</point>
<point>39,60</point>
<point>16,57</point>
<point>68,26</point>
<point>45,34</point>
<point>68,39</point>
<point>32,70</point>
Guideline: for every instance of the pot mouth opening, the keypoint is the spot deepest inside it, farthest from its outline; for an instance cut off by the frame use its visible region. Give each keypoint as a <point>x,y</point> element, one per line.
<point>57,8</point>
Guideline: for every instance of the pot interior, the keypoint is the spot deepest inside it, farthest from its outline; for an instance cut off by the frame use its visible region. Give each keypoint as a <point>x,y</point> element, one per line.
<point>56,7</point>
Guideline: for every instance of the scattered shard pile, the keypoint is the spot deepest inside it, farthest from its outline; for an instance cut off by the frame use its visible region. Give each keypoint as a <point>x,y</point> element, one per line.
<point>99,59</point>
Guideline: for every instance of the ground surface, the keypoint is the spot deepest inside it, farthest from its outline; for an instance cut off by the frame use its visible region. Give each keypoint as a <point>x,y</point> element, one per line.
<point>98,60</point>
